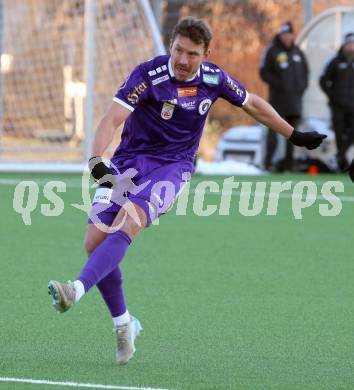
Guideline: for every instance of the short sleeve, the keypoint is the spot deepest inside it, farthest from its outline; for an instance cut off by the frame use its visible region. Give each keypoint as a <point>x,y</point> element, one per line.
<point>134,90</point>
<point>232,90</point>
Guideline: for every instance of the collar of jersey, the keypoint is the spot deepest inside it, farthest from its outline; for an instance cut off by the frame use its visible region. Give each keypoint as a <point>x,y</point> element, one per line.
<point>170,71</point>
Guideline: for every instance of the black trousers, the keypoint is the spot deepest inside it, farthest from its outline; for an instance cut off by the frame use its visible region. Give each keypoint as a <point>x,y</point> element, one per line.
<point>343,126</point>
<point>272,140</point>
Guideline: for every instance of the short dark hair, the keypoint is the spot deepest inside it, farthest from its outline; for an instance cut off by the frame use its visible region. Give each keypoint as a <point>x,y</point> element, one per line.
<point>194,29</point>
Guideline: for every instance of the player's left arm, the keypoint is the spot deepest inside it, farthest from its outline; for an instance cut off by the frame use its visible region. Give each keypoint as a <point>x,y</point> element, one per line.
<point>264,113</point>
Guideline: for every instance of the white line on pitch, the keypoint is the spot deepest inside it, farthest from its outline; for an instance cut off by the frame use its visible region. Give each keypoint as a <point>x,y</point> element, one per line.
<point>74,384</point>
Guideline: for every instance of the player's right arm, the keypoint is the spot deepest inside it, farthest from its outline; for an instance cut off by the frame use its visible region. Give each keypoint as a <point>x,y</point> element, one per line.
<point>134,90</point>
<point>113,118</point>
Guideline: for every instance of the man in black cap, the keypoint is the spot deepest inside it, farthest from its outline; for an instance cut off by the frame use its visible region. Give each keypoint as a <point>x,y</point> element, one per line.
<point>284,68</point>
<point>337,82</point>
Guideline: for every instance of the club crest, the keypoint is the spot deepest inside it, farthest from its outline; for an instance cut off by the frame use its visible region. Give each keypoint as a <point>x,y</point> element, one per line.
<point>167,110</point>
<point>204,106</point>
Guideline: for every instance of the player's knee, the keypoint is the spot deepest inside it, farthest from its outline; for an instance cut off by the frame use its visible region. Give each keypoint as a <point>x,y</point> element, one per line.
<point>92,240</point>
<point>95,234</point>
<point>131,228</point>
<point>89,245</point>
<point>131,220</point>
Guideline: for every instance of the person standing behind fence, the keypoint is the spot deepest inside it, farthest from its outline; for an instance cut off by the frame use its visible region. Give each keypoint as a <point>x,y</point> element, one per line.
<point>337,82</point>
<point>284,68</point>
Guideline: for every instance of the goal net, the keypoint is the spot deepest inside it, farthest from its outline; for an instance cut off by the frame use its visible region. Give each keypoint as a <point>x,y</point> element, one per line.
<point>48,106</point>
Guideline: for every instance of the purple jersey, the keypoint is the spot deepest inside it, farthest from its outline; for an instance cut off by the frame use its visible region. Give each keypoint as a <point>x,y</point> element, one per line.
<point>168,115</point>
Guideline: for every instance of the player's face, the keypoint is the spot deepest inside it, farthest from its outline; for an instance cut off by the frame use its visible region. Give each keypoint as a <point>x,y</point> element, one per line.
<point>287,39</point>
<point>186,57</point>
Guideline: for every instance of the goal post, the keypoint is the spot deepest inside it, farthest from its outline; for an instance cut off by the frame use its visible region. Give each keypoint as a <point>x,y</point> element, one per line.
<point>61,63</point>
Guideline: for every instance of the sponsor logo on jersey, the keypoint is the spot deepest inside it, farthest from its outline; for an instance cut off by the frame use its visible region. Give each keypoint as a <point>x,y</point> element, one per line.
<point>187,91</point>
<point>133,96</point>
<point>158,70</point>
<point>234,87</point>
<point>208,69</point>
<point>189,105</point>
<point>204,106</point>
<point>160,79</point>
<point>211,78</point>
<point>297,58</point>
<point>167,110</point>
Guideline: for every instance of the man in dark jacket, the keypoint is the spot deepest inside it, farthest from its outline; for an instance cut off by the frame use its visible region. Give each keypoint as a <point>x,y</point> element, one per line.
<point>284,68</point>
<point>337,82</point>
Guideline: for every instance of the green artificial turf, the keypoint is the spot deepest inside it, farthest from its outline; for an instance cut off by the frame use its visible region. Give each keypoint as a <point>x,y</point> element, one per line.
<point>226,302</point>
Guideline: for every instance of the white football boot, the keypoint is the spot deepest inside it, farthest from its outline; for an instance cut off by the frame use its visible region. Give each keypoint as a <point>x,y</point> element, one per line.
<point>126,335</point>
<point>63,295</point>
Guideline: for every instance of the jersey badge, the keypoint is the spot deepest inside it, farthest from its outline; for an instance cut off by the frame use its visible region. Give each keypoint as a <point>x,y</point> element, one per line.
<point>204,106</point>
<point>167,110</point>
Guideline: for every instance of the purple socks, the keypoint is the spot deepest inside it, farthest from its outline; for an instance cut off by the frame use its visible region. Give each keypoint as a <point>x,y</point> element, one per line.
<point>111,289</point>
<point>102,269</point>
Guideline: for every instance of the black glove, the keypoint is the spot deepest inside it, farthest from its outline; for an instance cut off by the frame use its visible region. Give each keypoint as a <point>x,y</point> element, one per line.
<point>100,172</point>
<point>311,139</point>
<point>350,169</point>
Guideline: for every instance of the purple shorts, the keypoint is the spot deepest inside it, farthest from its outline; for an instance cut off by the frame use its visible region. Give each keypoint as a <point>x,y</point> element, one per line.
<point>147,181</point>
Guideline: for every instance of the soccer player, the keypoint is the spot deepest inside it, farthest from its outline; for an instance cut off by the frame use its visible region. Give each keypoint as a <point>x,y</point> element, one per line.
<point>163,104</point>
